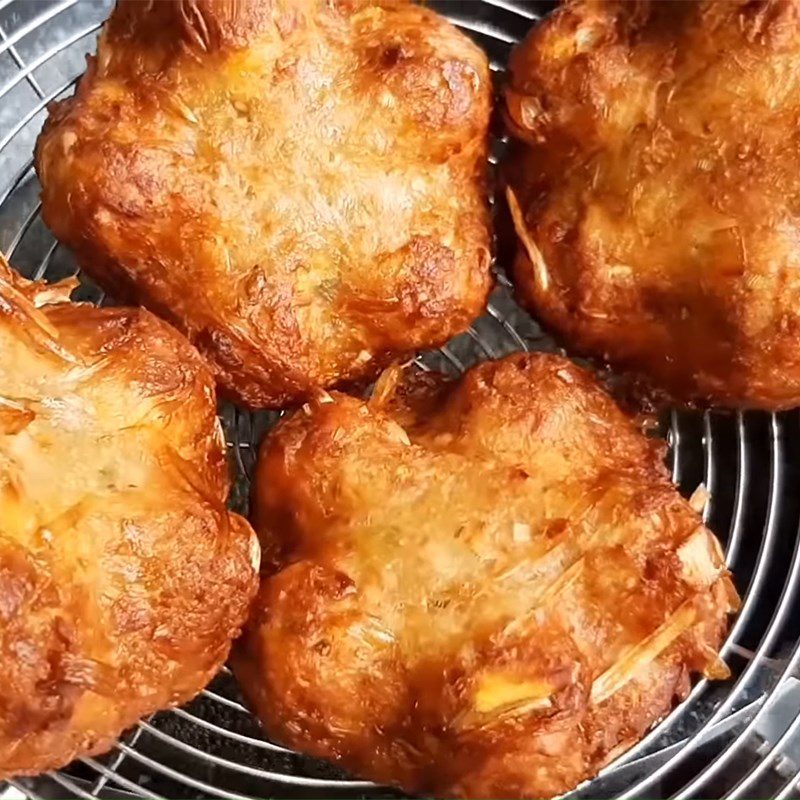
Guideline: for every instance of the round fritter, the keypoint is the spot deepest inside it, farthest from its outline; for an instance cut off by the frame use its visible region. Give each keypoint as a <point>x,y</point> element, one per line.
<point>486,588</point>
<point>298,185</point>
<point>654,184</point>
<point>123,578</point>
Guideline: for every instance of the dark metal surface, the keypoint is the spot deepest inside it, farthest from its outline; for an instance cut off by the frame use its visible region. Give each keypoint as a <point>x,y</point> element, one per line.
<point>736,739</point>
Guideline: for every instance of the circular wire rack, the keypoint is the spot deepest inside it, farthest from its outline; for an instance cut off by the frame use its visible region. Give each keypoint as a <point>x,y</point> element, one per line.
<point>736,739</point>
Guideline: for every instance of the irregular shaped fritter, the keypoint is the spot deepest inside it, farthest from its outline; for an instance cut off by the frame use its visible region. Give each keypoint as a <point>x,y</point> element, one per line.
<point>298,185</point>
<point>123,578</point>
<point>487,588</point>
<point>654,184</point>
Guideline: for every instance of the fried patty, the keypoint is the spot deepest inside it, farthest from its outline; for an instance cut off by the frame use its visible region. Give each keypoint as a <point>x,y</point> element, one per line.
<point>653,180</point>
<point>123,578</point>
<point>480,588</point>
<point>297,185</point>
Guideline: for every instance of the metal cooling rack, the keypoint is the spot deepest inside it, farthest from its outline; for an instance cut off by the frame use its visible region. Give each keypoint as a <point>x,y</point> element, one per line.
<point>737,739</point>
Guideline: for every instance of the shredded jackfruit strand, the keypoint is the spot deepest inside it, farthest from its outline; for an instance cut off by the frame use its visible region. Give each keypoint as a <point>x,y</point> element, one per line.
<point>619,673</point>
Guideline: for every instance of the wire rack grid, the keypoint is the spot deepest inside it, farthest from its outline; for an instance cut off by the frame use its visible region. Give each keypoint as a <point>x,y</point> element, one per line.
<point>736,739</point>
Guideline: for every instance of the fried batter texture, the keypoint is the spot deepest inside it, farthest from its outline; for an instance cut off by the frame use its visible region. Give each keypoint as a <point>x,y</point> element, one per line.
<point>485,588</point>
<point>297,185</point>
<point>123,578</point>
<point>654,186</point>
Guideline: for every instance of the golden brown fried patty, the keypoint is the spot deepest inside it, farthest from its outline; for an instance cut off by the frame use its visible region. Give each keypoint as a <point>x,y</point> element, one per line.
<point>486,588</point>
<point>298,185</point>
<point>654,183</point>
<point>123,578</point>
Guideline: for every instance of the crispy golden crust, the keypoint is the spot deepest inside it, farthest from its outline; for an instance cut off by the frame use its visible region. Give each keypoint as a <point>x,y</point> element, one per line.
<point>123,578</point>
<point>298,185</point>
<point>654,181</point>
<point>483,589</point>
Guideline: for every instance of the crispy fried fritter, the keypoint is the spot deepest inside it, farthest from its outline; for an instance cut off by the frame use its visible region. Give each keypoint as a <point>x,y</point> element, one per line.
<point>486,588</point>
<point>298,185</point>
<point>123,578</point>
<point>654,184</point>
